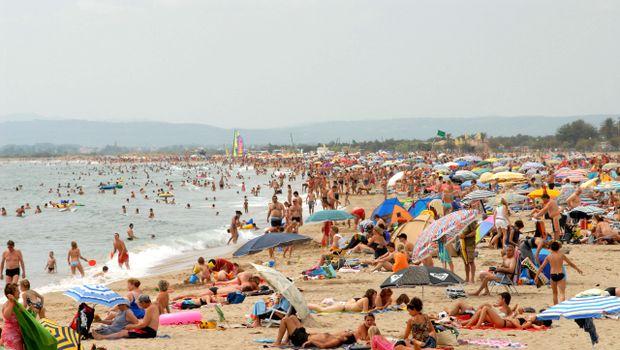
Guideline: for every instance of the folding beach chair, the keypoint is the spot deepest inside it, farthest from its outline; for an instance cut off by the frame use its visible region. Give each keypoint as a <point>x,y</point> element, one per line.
<point>509,283</point>
<point>276,313</point>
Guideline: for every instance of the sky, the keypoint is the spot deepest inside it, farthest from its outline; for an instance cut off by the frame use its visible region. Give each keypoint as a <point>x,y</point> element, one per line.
<point>269,63</point>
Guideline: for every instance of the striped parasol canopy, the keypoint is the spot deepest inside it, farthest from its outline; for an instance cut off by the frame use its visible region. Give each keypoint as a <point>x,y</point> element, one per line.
<point>450,225</point>
<point>95,294</point>
<point>582,307</point>
<point>611,186</point>
<point>531,165</point>
<point>610,166</point>
<point>585,210</point>
<point>478,195</point>
<point>67,338</point>
<point>464,175</point>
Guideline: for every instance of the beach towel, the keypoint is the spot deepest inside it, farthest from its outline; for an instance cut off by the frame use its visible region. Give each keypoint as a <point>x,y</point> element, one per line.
<point>36,337</point>
<point>493,343</point>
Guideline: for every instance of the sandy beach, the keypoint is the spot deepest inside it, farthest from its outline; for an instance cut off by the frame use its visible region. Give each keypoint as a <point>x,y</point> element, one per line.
<point>597,262</point>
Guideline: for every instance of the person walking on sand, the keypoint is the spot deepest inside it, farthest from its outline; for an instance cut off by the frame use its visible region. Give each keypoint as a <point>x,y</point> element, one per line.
<point>121,248</point>
<point>558,279</point>
<point>73,259</point>
<point>12,259</point>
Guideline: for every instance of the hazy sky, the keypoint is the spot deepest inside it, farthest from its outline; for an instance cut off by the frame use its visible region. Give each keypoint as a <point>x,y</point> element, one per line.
<point>281,62</point>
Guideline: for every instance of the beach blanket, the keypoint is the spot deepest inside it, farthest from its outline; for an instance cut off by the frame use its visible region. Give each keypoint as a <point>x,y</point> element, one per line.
<point>493,343</point>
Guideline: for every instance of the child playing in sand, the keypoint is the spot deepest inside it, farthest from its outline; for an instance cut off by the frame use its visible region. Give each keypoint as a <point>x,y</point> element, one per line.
<point>51,263</point>
<point>201,270</point>
<point>558,279</point>
<point>163,298</point>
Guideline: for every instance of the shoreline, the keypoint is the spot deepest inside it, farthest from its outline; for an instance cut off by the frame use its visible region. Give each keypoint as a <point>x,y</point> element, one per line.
<point>350,285</point>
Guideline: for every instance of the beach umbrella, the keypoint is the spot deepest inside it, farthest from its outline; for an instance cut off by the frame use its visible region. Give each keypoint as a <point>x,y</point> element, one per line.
<point>286,287</point>
<point>421,276</point>
<point>610,186</point>
<point>582,307</point>
<point>505,176</point>
<point>539,192</point>
<point>486,177</point>
<point>449,225</point>
<point>480,171</point>
<point>500,168</point>
<point>610,166</point>
<point>531,165</point>
<point>510,198</point>
<point>484,228</point>
<point>329,215</point>
<point>95,294</point>
<point>585,211</point>
<point>67,338</point>
<point>464,175</point>
<point>590,183</point>
<point>478,195</point>
<point>269,240</point>
<point>397,177</point>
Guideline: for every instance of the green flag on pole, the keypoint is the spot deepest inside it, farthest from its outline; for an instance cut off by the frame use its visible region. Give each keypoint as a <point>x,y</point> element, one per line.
<point>441,134</point>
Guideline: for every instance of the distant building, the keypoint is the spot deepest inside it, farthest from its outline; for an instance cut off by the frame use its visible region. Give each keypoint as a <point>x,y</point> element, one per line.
<point>321,151</point>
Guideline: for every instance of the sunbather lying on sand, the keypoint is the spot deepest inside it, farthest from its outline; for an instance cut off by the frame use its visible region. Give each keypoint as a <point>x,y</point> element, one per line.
<point>297,335</point>
<point>489,315</point>
<point>364,304</point>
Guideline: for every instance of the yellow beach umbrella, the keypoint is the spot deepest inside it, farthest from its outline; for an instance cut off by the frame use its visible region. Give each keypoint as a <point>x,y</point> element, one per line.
<point>67,338</point>
<point>486,177</point>
<point>539,192</point>
<point>508,176</point>
<point>589,183</point>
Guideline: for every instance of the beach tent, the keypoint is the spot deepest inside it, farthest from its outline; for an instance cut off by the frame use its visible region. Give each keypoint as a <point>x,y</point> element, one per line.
<point>386,208</point>
<point>420,205</point>
<point>414,228</point>
<point>400,215</point>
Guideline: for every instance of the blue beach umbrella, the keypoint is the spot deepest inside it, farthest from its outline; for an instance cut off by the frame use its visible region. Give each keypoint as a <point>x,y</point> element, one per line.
<point>329,215</point>
<point>269,240</point>
<point>583,307</point>
<point>95,294</point>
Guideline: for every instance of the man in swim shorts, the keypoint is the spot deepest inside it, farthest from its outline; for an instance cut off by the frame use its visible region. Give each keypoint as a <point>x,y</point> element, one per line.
<point>12,259</point>
<point>123,255</point>
<point>298,336</point>
<point>275,213</point>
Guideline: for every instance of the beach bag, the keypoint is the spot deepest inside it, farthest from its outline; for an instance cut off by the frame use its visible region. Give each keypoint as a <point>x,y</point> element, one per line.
<point>447,338</point>
<point>35,336</point>
<point>235,298</point>
<point>82,320</point>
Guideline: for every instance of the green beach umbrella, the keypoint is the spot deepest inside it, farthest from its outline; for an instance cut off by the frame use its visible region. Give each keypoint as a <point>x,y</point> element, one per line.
<point>329,215</point>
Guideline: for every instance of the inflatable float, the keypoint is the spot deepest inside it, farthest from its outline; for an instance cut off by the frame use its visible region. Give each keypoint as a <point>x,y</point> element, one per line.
<point>165,195</point>
<point>107,187</point>
<point>180,318</point>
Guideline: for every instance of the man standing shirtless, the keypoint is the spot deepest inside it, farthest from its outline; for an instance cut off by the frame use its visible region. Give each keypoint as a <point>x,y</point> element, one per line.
<point>123,255</point>
<point>552,209</point>
<point>275,212</point>
<point>233,229</point>
<point>13,259</point>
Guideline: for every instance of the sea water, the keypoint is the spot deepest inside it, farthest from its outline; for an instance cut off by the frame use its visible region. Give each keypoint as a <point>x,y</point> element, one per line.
<point>178,231</point>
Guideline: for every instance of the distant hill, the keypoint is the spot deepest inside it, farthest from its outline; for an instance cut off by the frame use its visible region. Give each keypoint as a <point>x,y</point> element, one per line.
<point>158,134</point>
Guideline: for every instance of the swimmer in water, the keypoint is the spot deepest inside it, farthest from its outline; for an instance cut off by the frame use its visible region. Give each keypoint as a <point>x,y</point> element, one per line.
<point>130,235</point>
<point>151,214</point>
<point>50,267</point>
<point>73,259</point>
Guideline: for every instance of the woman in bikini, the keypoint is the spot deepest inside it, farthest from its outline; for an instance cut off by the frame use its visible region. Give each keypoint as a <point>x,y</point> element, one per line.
<point>419,327</point>
<point>73,259</point>
<point>363,304</point>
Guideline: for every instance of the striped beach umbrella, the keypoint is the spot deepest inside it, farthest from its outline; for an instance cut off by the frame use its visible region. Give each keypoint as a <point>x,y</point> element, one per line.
<point>67,338</point>
<point>95,294</point>
<point>531,165</point>
<point>582,307</point>
<point>611,186</point>
<point>449,225</point>
<point>329,215</point>
<point>478,195</point>
<point>585,211</point>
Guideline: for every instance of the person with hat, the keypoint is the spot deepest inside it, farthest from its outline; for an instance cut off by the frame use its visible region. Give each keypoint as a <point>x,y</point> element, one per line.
<point>146,328</point>
<point>115,323</point>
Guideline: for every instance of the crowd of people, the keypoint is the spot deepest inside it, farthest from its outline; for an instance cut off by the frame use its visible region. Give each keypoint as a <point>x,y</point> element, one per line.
<point>444,183</point>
